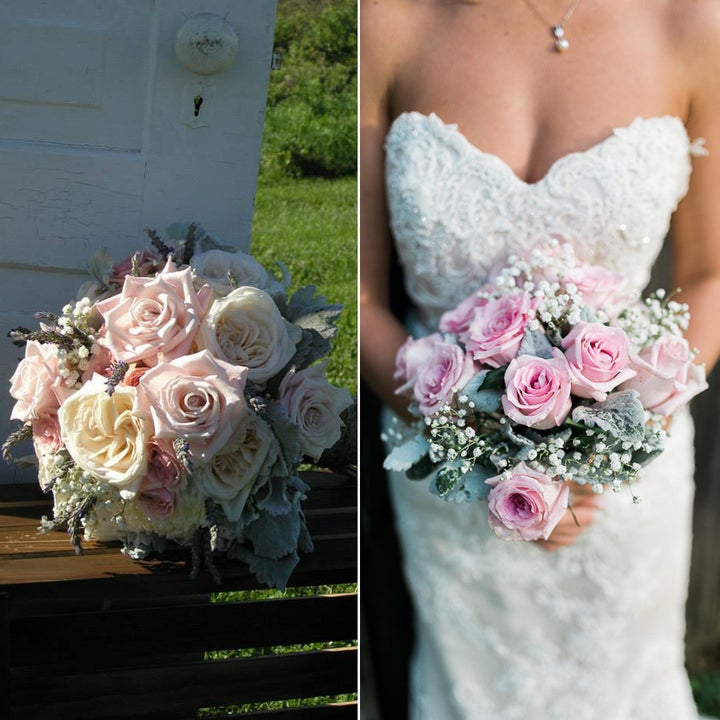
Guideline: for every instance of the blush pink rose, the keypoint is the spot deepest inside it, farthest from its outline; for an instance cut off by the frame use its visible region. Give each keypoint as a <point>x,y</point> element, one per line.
<point>537,391</point>
<point>666,376</point>
<point>598,358</point>
<point>46,433</point>
<point>447,369</point>
<point>147,263</point>
<point>154,319</point>
<point>458,319</point>
<point>98,363</point>
<point>198,398</point>
<point>526,504</point>
<point>36,383</point>
<point>410,357</point>
<point>497,329</point>
<point>601,289</point>
<point>157,492</point>
<point>134,374</point>
<point>314,405</point>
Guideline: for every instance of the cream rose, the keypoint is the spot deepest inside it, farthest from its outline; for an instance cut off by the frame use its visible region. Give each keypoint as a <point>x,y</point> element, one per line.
<point>37,384</point>
<point>154,319</point>
<point>103,434</point>
<point>314,405</point>
<point>197,398</point>
<point>246,328</point>
<point>233,472</point>
<point>216,267</point>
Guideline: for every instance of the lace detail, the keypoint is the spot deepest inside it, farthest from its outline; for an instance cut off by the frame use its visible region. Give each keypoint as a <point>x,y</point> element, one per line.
<point>455,209</point>
<point>506,630</point>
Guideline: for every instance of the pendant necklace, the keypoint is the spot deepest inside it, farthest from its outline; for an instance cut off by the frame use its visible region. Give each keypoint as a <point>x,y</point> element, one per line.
<point>557,29</point>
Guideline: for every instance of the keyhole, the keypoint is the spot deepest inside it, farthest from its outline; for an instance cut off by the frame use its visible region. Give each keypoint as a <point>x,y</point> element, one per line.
<point>198,100</point>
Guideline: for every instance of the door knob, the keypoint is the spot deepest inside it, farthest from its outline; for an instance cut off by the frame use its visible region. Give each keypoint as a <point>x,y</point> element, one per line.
<point>206,44</point>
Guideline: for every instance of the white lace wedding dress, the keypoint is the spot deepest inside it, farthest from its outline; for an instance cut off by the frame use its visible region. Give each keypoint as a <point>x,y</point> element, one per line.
<point>508,631</point>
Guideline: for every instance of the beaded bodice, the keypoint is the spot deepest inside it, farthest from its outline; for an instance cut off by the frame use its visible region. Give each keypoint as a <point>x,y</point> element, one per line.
<point>456,210</point>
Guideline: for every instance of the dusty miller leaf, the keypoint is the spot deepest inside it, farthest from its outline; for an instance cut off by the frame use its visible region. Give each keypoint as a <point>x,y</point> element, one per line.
<point>621,414</point>
<point>404,456</point>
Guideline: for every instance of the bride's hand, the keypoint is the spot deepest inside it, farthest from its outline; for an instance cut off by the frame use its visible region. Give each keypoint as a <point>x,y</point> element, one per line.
<point>575,521</point>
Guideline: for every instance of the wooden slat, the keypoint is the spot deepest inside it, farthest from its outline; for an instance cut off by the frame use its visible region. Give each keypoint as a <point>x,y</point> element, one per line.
<point>131,634</point>
<point>169,692</point>
<point>101,636</point>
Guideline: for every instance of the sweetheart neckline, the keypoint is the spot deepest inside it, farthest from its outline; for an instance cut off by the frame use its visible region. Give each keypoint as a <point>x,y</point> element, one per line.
<point>453,128</point>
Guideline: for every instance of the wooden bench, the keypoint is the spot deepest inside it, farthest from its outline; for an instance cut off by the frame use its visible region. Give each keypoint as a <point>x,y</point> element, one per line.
<point>101,636</point>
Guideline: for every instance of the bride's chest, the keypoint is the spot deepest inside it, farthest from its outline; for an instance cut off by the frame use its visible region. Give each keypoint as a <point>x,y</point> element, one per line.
<point>456,210</point>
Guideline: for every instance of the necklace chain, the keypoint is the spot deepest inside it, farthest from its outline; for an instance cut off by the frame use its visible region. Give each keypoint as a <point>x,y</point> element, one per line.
<point>557,29</point>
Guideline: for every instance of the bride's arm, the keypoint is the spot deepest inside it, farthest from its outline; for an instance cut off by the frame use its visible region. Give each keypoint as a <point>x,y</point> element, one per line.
<point>696,224</point>
<point>380,332</point>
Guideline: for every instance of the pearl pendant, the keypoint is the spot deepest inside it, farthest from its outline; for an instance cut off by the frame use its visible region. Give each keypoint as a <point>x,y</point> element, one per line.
<point>561,44</point>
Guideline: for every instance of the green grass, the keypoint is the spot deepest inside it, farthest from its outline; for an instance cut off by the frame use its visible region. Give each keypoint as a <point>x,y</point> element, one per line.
<point>310,225</point>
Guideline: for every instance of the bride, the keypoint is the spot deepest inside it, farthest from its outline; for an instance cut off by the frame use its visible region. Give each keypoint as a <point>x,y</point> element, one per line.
<point>487,125</point>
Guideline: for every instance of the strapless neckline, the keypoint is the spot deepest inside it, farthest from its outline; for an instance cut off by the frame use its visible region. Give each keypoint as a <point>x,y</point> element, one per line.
<point>454,134</point>
<point>456,209</point>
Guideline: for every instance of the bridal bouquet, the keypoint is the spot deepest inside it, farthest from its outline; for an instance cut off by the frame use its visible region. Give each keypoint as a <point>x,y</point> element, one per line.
<point>549,373</point>
<point>175,400</point>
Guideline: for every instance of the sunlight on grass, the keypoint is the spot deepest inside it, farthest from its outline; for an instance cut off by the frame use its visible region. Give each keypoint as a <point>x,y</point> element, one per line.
<point>310,225</point>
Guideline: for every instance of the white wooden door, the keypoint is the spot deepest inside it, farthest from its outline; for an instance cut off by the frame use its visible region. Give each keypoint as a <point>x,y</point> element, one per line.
<point>99,138</point>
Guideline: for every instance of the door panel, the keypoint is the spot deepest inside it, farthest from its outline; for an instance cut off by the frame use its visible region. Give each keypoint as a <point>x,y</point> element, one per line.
<point>99,139</point>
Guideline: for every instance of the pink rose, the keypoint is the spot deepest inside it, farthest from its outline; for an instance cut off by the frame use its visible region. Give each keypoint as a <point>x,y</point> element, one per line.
<point>458,319</point>
<point>411,356</point>
<point>98,363</point>
<point>134,374</point>
<point>526,505</point>
<point>314,405</point>
<point>147,262</point>
<point>447,369</point>
<point>46,433</point>
<point>154,319</point>
<point>157,492</point>
<point>537,391</point>
<point>598,358</point>
<point>666,376</point>
<point>601,289</point>
<point>497,329</point>
<point>197,398</point>
<point>36,383</point>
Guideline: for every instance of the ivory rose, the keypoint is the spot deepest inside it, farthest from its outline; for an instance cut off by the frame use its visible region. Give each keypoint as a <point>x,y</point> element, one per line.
<point>598,358</point>
<point>104,435</point>
<point>666,376</point>
<point>497,329</point>
<point>314,405</point>
<point>154,319</point>
<point>526,504</point>
<point>216,267</point>
<point>36,384</point>
<point>233,472</point>
<point>246,328</point>
<point>447,368</point>
<point>410,357</point>
<point>198,398</point>
<point>537,391</point>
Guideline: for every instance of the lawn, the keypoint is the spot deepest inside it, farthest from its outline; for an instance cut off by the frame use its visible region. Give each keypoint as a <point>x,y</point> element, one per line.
<point>310,225</point>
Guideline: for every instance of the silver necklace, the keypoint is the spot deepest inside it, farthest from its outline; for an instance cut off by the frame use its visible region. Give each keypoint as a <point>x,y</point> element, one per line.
<point>557,29</point>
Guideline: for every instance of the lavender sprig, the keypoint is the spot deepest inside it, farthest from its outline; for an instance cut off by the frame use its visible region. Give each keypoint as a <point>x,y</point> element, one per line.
<point>118,371</point>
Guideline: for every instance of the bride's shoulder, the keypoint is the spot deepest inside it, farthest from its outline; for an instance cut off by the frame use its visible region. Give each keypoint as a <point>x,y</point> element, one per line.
<point>694,25</point>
